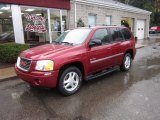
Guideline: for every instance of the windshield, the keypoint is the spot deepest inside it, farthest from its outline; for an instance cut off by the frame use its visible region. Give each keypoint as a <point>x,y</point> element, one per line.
<point>74,37</point>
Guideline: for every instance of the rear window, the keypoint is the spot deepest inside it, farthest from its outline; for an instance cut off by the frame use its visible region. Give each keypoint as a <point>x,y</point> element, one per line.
<point>127,35</point>
<point>116,35</point>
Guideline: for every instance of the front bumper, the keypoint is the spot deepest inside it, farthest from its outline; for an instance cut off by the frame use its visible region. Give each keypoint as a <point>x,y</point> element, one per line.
<point>38,78</point>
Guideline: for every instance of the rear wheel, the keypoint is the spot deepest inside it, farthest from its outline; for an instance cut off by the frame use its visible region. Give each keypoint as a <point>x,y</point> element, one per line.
<point>70,81</point>
<point>127,61</point>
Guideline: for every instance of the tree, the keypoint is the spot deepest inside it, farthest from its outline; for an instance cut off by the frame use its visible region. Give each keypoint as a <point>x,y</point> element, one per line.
<point>80,23</point>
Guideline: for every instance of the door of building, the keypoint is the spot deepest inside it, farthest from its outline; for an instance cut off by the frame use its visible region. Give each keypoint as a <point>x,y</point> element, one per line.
<point>140,29</point>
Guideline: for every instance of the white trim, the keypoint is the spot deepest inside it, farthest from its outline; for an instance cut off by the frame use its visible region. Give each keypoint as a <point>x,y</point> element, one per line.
<point>114,5</point>
<point>148,24</point>
<point>49,25</point>
<point>17,24</point>
<point>61,21</point>
<point>102,59</point>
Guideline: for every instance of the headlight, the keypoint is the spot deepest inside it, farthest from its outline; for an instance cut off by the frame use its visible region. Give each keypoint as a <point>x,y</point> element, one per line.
<point>44,65</point>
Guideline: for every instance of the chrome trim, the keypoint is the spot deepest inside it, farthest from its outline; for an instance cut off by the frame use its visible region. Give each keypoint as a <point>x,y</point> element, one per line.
<point>18,64</point>
<point>101,59</point>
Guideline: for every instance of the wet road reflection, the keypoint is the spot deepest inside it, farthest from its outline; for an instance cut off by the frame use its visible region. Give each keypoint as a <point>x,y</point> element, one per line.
<point>132,95</point>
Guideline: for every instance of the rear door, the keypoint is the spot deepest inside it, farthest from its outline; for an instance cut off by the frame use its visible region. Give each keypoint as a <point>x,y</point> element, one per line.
<point>100,56</point>
<point>117,45</point>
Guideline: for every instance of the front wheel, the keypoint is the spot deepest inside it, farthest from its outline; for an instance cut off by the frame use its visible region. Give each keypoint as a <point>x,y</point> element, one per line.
<point>70,81</point>
<point>127,61</point>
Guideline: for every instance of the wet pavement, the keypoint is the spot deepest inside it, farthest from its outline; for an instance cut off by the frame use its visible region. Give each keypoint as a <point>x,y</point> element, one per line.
<point>133,95</point>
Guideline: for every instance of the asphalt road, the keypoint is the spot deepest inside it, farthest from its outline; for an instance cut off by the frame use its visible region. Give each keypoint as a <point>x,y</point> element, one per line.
<point>133,95</point>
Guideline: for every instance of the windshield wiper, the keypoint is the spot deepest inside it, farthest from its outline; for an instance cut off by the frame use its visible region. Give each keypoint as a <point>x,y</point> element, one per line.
<point>67,43</point>
<point>55,42</point>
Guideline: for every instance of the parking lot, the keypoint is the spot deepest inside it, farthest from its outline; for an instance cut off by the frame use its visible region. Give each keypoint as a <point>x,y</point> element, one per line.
<point>132,95</point>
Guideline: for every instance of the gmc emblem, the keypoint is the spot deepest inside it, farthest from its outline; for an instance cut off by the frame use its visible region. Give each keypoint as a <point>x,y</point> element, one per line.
<point>23,63</point>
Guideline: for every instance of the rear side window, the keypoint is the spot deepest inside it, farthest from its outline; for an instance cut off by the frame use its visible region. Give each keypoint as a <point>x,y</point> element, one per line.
<point>127,35</point>
<point>101,34</point>
<point>116,34</point>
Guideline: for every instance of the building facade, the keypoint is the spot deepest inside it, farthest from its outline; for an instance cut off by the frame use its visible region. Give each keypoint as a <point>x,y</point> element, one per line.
<point>39,22</point>
<point>108,12</point>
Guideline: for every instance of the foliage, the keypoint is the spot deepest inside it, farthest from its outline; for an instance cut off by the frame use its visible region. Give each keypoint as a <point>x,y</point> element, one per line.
<point>125,23</point>
<point>80,23</point>
<point>10,51</point>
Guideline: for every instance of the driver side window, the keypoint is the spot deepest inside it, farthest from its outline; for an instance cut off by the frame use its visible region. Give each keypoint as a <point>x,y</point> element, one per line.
<point>101,34</point>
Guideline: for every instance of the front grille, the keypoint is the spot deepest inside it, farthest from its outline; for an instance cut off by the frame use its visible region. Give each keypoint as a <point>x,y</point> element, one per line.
<point>24,64</point>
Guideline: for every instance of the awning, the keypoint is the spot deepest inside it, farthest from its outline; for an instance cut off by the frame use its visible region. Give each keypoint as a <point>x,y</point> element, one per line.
<point>60,4</point>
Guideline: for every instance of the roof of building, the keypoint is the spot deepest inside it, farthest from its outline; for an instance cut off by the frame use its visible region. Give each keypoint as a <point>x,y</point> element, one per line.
<point>115,5</point>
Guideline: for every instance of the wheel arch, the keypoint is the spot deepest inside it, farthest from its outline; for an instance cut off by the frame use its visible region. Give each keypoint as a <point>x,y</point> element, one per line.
<point>77,64</point>
<point>131,53</point>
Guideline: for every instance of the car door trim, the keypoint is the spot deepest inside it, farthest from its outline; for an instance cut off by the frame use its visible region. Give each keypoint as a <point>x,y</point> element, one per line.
<point>101,59</point>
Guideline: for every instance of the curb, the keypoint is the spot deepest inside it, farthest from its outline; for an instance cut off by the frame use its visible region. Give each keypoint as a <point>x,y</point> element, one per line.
<point>140,47</point>
<point>8,78</point>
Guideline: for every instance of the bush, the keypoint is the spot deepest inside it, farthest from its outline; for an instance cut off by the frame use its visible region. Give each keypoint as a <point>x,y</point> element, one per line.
<point>80,23</point>
<point>10,51</point>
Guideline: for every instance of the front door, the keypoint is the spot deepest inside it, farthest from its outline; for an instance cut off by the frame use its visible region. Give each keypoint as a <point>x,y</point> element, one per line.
<point>100,56</point>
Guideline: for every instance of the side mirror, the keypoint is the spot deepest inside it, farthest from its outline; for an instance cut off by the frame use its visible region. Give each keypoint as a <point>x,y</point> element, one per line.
<point>95,42</point>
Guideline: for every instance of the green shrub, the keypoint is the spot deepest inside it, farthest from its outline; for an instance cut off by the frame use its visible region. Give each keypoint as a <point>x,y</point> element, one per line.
<point>80,23</point>
<point>10,51</point>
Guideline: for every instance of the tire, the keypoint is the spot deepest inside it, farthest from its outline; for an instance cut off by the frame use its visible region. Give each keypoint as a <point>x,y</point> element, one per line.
<point>127,62</point>
<point>70,81</point>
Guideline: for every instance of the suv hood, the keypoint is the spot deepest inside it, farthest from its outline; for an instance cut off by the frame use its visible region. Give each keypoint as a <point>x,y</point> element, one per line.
<point>44,52</point>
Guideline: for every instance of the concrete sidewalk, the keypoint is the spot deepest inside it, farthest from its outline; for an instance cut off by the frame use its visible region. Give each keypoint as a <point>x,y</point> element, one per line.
<point>7,71</point>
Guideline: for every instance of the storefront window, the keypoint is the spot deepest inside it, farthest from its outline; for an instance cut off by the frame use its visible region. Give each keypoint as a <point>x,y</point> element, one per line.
<point>35,25</point>
<point>6,25</point>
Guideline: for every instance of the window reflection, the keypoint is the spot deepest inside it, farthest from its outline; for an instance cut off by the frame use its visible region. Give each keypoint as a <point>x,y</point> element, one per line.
<point>35,25</point>
<point>6,25</point>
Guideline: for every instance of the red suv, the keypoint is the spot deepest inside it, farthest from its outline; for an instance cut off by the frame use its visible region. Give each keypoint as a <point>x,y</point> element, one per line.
<point>77,55</point>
